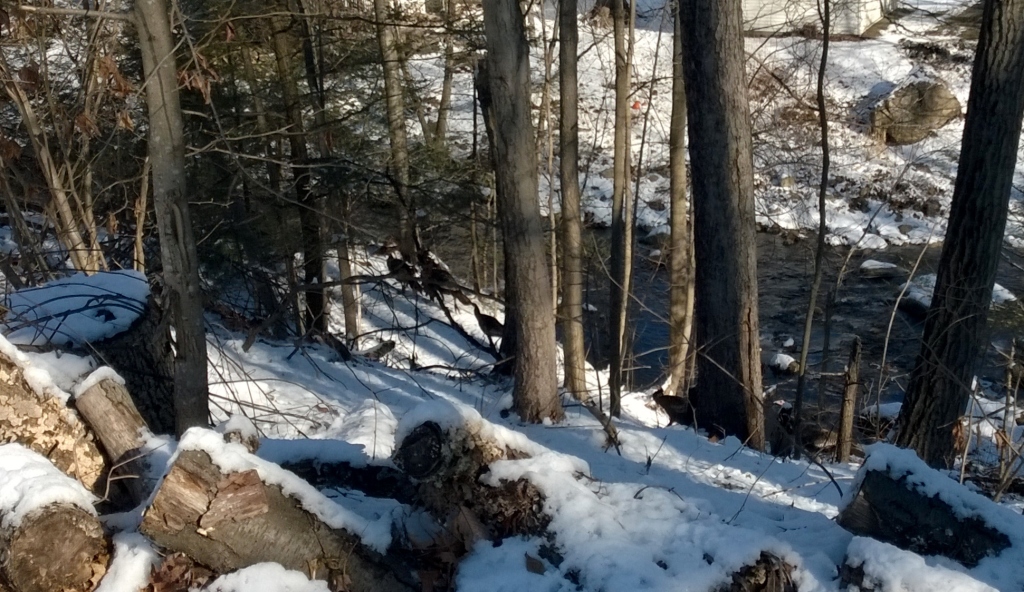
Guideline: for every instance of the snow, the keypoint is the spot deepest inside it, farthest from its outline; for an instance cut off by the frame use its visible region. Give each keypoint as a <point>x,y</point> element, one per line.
<point>37,370</point>
<point>96,377</point>
<point>134,558</point>
<point>873,265</point>
<point>266,577</point>
<point>239,424</point>
<point>30,483</point>
<point>920,289</point>
<point>76,310</point>
<point>890,568</point>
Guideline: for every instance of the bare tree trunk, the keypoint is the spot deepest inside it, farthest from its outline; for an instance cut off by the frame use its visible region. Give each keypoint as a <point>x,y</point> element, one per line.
<point>680,306</point>
<point>727,398</point>
<point>621,219</point>
<point>954,330</point>
<point>505,96</point>
<point>387,38</point>
<point>819,249</point>
<point>572,224</point>
<point>170,199</point>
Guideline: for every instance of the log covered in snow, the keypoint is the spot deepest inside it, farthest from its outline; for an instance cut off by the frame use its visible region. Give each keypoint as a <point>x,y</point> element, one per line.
<point>50,537</point>
<point>256,512</point>
<point>896,498</point>
<point>34,412</point>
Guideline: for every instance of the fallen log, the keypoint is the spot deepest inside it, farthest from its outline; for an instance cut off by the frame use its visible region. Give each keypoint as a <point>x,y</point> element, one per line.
<point>50,537</point>
<point>896,498</point>
<point>253,512</point>
<point>34,413</point>
<point>105,404</point>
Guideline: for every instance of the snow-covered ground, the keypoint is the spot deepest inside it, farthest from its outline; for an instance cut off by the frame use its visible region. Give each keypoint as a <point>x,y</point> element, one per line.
<point>672,510</point>
<point>878,194</point>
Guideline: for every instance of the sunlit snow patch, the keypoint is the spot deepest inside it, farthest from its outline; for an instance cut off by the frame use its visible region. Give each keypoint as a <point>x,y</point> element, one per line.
<point>76,310</point>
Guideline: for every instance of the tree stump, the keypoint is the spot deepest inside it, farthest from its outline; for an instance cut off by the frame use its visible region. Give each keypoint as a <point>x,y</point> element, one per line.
<point>897,503</point>
<point>230,521</point>
<point>108,408</point>
<point>143,355</point>
<point>50,539</point>
<point>36,415</point>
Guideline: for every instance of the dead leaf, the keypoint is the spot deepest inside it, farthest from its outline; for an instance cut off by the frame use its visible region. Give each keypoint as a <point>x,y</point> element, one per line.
<point>86,125</point>
<point>534,565</point>
<point>467,528</point>
<point>124,121</point>
<point>29,76</point>
<point>9,150</point>
<point>229,32</point>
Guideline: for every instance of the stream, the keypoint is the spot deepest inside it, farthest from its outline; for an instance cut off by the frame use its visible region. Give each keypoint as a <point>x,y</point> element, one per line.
<point>863,307</point>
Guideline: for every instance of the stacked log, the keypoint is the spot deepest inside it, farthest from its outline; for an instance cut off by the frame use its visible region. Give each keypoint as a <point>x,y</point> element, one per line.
<point>50,537</point>
<point>228,520</point>
<point>34,413</point>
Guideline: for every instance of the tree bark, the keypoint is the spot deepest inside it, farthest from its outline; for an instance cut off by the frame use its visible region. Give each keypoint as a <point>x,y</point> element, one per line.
<point>170,199</point>
<point>231,521</point>
<point>727,398</point>
<point>572,223</point>
<point>680,306</point>
<point>621,218</point>
<point>954,330</point>
<point>514,153</point>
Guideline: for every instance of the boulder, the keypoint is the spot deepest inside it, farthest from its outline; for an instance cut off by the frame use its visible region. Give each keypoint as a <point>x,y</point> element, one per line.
<point>912,111</point>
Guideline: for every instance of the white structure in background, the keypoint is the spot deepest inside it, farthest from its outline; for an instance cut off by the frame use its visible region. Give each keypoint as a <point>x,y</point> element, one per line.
<point>849,17</point>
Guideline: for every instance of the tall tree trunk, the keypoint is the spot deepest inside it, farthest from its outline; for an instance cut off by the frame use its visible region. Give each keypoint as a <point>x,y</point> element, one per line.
<point>680,308</point>
<point>286,48</point>
<point>621,219</point>
<point>728,397</point>
<point>387,38</point>
<point>170,200</point>
<point>954,329</point>
<point>505,97</point>
<point>572,224</point>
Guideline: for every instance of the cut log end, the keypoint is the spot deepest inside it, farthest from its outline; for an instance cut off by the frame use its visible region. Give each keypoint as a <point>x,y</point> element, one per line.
<point>61,547</point>
<point>768,574</point>
<point>422,453</point>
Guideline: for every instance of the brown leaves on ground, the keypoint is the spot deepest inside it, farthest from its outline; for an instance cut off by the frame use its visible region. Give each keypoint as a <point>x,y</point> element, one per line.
<point>178,573</point>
